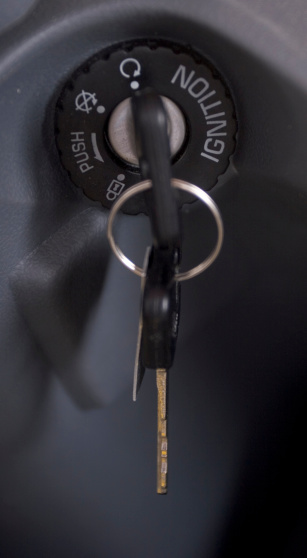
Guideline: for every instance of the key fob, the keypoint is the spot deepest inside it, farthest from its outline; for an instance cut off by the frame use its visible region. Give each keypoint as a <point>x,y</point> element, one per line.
<point>161,307</point>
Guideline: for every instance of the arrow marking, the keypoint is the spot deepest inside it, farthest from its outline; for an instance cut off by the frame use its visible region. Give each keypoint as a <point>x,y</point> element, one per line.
<point>95,148</point>
<point>136,72</point>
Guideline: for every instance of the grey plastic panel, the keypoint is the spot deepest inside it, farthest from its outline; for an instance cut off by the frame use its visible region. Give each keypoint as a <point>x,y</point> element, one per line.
<point>81,483</point>
<point>11,12</point>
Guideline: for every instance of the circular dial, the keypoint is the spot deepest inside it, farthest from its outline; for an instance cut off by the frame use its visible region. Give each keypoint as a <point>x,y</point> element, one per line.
<point>90,99</point>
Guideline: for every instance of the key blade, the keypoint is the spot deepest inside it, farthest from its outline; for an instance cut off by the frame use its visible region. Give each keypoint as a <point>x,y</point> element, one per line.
<point>139,369</point>
<point>162,438</point>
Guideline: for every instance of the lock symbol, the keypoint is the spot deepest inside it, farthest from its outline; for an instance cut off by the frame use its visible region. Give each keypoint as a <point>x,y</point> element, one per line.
<point>115,188</point>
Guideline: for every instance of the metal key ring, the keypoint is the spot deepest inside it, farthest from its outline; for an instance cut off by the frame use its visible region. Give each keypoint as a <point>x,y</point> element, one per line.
<point>180,185</point>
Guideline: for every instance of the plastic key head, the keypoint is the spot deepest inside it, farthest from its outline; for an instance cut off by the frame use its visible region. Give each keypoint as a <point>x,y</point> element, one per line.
<point>161,307</point>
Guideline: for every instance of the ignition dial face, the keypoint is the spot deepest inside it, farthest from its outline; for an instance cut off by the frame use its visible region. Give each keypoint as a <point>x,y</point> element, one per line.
<point>89,99</point>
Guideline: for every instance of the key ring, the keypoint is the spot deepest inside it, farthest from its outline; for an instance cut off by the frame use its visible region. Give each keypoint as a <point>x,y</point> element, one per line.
<point>180,185</point>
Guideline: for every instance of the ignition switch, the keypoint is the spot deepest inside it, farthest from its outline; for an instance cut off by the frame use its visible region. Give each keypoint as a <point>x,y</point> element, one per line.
<point>94,131</point>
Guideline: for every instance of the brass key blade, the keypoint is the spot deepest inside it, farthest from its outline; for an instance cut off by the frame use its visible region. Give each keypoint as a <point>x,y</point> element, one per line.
<point>162,440</point>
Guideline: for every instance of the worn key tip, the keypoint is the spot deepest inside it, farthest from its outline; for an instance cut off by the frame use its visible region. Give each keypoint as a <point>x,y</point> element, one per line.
<point>162,464</point>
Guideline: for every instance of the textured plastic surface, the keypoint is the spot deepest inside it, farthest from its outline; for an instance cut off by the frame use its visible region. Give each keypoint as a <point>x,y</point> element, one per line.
<point>77,483</point>
<point>173,70</point>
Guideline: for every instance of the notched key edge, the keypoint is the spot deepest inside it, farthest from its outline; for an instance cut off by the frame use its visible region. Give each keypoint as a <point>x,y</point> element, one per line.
<point>162,438</point>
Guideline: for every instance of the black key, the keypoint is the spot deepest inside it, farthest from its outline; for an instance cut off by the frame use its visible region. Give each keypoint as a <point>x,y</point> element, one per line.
<point>160,304</point>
